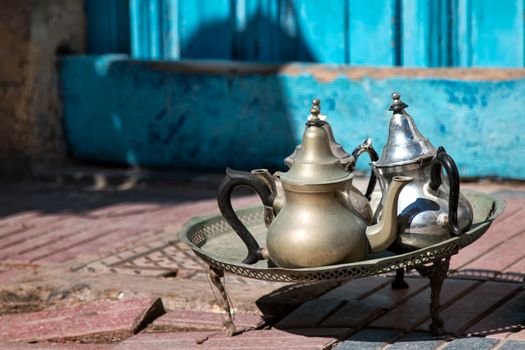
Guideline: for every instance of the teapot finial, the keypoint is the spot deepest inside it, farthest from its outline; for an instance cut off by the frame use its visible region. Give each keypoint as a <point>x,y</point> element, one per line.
<point>316,108</point>
<point>315,113</point>
<point>397,105</point>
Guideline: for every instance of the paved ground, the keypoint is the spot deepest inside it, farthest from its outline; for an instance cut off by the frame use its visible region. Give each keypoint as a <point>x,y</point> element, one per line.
<point>98,266</point>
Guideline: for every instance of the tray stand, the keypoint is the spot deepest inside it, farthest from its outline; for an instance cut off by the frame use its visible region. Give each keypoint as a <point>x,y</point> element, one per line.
<point>213,240</point>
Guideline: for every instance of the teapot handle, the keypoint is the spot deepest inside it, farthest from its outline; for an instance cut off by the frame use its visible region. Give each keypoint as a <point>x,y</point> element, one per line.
<point>366,146</point>
<point>233,179</point>
<point>442,159</point>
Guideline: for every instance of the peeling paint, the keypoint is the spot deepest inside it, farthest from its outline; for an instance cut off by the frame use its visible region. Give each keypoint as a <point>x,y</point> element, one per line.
<point>241,118</point>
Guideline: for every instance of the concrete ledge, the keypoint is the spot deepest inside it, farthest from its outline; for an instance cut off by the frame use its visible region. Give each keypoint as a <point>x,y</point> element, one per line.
<point>209,115</point>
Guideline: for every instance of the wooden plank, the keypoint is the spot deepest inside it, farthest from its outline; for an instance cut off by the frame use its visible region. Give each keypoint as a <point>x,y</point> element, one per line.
<point>371,26</point>
<point>108,28</point>
<point>497,33</point>
<point>461,37</point>
<point>425,33</point>
<point>139,24</point>
<point>288,30</point>
<point>155,29</point>
<point>171,40</point>
<point>417,22</point>
<point>206,31</point>
<point>321,31</point>
<point>257,31</point>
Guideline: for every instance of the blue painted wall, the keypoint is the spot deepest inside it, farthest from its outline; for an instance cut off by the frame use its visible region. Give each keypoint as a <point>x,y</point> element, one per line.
<point>108,26</point>
<point>212,115</point>
<point>412,33</point>
<point>158,112</point>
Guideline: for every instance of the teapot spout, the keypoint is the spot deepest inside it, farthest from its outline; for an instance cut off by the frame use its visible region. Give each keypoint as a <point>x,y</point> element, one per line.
<point>384,233</point>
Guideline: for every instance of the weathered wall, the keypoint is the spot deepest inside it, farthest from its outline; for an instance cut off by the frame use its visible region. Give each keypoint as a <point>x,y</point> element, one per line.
<point>31,33</point>
<point>210,115</point>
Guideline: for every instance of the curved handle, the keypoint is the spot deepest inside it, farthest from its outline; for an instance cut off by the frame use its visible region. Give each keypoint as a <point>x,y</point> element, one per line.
<point>231,181</point>
<point>442,159</point>
<point>366,146</point>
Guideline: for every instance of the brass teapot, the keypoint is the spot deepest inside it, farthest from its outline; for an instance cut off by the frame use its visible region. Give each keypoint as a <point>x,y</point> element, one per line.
<point>317,224</point>
<point>431,209</point>
<point>360,202</point>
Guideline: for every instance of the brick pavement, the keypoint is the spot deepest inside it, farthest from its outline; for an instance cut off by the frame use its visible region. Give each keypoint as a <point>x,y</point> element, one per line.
<point>133,233</point>
<point>101,322</point>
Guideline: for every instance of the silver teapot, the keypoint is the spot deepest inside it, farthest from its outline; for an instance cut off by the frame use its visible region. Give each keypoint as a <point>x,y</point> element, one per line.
<point>317,224</point>
<point>431,208</point>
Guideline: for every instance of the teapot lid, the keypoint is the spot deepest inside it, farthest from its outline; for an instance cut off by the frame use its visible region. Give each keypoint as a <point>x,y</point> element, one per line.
<point>344,158</point>
<point>315,163</point>
<point>405,143</point>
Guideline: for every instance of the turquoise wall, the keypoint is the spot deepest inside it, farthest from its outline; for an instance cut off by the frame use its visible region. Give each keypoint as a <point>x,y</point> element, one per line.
<point>412,33</point>
<point>207,115</point>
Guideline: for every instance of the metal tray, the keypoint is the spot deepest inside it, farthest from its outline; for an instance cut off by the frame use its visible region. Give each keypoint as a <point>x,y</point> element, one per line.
<point>214,241</point>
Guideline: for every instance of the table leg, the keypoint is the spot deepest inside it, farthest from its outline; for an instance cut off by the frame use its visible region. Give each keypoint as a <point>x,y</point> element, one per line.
<point>399,281</point>
<point>223,301</point>
<point>437,272</point>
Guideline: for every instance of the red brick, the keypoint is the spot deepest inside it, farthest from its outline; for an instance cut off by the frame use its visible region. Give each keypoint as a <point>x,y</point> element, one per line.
<point>256,340</point>
<point>517,336</point>
<point>338,333</point>
<point>186,320</point>
<point>45,220</point>
<point>102,236</point>
<point>124,209</point>
<point>54,346</point>
<point>498,233</point>
<point>503,335</point>
<point>101,321</point>
<point>39,237</point>
<point>514,272</point>
<point>416,309</point>
<point>267,339</point>
<point>310,314</point>
<point>471,307</point>
<point>512,206</point>
<point>388,298</point>
<point>167,341</point>
<point>63,243</point>
<point>7,231</point>
<point>508,317</point>
<point>100,244</point>
<point>18,218</point>
<point>501,257</point>
<point>358,288</point>
<point>354,314</point>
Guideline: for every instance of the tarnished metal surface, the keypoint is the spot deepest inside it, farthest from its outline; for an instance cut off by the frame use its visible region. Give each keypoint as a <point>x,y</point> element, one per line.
<point>431,209</point>
<point>318,218</point>
<point>405,144</point>
<point>212,240</point>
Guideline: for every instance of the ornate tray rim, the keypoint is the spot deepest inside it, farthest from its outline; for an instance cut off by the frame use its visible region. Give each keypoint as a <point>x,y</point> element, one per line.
<point>347,270</point>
